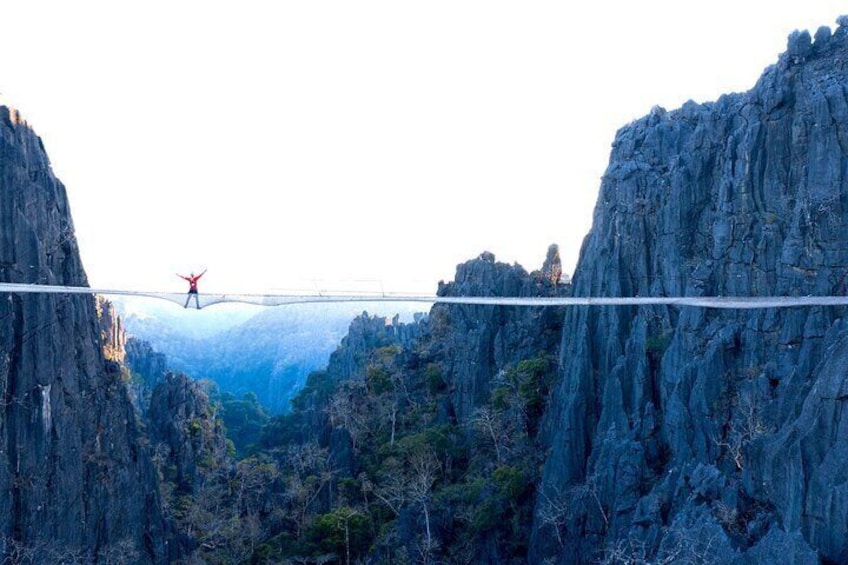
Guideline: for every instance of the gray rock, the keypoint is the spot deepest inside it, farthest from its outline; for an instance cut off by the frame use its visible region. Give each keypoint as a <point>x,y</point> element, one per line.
<point>779,547</point>
<point>113,336</point>
<point>145,363</point>
<point>75,474</point>
<point>802,467</point>
<point>727,421</point>
<point>552,267</point>
<point>822,38</point>
<point>473,343</point>
<point>799,45</point>
<point>365,334</point>
<point>181,420</point>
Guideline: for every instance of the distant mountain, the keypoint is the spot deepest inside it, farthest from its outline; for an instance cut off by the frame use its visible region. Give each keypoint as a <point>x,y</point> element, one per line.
<point>170,321</point>
<point>269,352</point>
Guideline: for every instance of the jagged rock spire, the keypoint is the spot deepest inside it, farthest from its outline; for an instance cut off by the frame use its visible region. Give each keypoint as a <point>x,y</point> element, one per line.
<point>552,267</point>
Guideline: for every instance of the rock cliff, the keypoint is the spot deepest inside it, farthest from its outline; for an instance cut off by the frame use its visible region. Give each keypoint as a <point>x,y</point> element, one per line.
<point>147,368</point>
<point>113,336</point>
<point>689,434</point>
<point>182,424</point>
<point>365,334</point>
<point>77,481</point>
<point>472,344</point>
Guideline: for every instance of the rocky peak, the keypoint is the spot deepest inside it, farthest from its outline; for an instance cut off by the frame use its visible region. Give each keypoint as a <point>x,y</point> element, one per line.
<point>801,45</point>
<point>145,363</point>
<point>366,333</point>
<point>683,423</point>
<point>147,368</point>
<point>113,336</point>
<point>474,343</point>
<point>41,245</point>
<point>187,435</point>
<point>484,276</point>
<point>552,267</point>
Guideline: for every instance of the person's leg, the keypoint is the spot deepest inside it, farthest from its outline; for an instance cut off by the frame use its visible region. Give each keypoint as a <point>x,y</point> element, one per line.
<point>187,299</point>
<point>197,300</point>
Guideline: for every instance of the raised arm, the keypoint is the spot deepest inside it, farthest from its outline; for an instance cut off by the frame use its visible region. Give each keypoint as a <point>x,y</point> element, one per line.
<point>182,277</point>
<point>201,274</point>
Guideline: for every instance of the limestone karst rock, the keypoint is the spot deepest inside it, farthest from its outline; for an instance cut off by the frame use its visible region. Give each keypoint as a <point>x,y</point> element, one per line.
<point>75,477</point>
<point>694,428</point>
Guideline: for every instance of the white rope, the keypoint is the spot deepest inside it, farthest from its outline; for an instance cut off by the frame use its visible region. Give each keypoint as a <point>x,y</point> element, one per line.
<point>727,302</point>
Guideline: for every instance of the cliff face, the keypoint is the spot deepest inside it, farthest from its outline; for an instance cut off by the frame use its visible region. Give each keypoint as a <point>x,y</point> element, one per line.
<point>349,363</point>
<point>365,334</point>
<point>702,434</point>
<point>472,344</point>
<point>181,420</point>
<point>148,364</point>
<point>75,479</point>
<point>147,368</point>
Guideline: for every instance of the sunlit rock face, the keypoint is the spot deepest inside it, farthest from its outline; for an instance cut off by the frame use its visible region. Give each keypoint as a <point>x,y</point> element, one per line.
<point>113,336</point>
<point>689,433</point>
<point>76,481</point>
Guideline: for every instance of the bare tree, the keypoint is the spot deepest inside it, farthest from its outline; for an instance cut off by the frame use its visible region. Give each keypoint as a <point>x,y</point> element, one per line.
<point>679,548</point>
<point>410,484</point>
<point>555,511</point>
<point>745,425</point>
<point>124,552</point>
<point>488,421</point>
<point>558,506</point>
<point>348,409</point>
<point>391,491</point>
<point>17,552</point>
<point>424,469</point>
<point>311,473</point>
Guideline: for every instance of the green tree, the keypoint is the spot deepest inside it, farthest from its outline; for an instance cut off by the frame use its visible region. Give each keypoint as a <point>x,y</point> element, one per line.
<point>344,531</point>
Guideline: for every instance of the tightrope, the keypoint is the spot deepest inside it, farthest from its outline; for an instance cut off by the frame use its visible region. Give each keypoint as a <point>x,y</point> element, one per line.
<point>280,299</point>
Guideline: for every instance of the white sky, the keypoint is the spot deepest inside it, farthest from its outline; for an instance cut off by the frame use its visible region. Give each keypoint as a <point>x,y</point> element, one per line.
<point>280,142</point>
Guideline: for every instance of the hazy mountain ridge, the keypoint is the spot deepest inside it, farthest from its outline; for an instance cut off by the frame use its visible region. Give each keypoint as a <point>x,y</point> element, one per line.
<point>269,353</point>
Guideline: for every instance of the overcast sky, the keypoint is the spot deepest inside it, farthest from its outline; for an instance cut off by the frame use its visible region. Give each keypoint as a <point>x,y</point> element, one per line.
<point>280,143</point>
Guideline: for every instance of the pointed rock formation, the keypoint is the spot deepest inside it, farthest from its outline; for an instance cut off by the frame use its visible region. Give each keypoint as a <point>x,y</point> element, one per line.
<point>552,267</point>
<point>181,419</point>
<point>474,342</point>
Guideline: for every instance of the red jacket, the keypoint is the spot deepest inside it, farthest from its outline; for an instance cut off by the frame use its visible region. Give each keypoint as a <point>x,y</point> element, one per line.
<point>192,281</point>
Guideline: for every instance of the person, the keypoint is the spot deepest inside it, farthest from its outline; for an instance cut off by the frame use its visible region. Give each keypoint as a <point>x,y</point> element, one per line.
<point>192,287</point>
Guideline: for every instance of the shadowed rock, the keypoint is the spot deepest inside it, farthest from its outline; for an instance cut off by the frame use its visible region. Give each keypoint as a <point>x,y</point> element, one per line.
<point>692,428</point>
<point>76,479</point>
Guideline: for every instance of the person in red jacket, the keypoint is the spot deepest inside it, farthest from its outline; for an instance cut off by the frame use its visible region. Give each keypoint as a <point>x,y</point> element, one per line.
<point>192,287</point>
